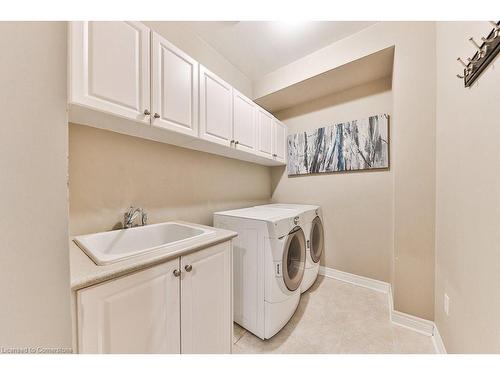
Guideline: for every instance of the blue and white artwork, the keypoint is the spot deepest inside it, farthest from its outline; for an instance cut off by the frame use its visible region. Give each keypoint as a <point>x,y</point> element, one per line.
<point>348,146</point>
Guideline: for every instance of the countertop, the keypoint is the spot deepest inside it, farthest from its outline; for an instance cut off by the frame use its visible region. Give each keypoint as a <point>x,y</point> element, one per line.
<point>84,272</point>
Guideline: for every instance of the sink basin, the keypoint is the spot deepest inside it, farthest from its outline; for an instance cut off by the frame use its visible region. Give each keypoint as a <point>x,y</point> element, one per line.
<point>110,247</point>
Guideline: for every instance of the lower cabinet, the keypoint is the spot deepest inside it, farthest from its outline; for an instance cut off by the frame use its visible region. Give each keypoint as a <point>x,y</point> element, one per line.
<point>181,306</point>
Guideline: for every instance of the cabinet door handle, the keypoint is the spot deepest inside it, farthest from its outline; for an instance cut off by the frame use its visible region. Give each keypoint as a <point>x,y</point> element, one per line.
<point>177,273</point>
<point>237,142</point>
<point>188,268</point>
<point>146,112</point>
<point>275,155</point>
<point>156,115</point>
<point>232,141</point>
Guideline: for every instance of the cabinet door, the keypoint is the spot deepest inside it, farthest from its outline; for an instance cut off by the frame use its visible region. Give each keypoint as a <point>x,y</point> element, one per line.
<point>265,133</point>
<point>109,66</point>
<point>137,313</point>
<point>279,141</point>
<point>216,100</point>
<point>206,301</point>
<point>174,87</point>
<point>243,122</point>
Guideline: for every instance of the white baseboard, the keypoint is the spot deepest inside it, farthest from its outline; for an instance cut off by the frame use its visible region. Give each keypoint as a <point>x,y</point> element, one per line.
<point>379,286</point>
<point>438,341</point>
<point>423,326</point>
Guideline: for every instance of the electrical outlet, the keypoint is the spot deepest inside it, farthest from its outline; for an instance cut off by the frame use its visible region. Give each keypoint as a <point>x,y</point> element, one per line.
<point>446,304</point>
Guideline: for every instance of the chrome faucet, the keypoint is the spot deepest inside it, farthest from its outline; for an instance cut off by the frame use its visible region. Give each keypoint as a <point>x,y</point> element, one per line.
<point>131,214</point>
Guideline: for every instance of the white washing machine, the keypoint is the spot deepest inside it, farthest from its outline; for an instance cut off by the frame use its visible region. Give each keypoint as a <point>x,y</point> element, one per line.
<point>269,258</point>
<point>312,225</point>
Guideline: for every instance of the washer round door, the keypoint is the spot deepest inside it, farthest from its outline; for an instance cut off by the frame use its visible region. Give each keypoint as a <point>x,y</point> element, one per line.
<point>317,239</point>
<point>294,257</point>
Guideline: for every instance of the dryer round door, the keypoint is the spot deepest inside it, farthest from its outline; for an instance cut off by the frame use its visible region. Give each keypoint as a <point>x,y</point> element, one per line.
<point>294,257</point>
<point>317,239</point>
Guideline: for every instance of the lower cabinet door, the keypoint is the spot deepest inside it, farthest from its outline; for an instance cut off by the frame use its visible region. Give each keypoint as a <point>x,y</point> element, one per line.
<point>206,301</point>
<point>137,313</point>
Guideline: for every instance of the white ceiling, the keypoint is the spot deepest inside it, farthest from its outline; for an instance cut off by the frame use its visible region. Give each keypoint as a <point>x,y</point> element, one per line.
<point>260,47</point>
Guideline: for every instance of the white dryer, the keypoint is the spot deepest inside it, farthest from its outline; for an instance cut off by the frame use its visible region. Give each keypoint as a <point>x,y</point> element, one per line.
<point>269,258</point>
<point>311,220</point>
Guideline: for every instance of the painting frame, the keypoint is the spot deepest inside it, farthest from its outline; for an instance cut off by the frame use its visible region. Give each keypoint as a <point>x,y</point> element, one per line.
<point>350,146</point>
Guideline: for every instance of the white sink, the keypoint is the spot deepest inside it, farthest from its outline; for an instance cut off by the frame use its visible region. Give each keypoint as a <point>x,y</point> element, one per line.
<point>110,247</point>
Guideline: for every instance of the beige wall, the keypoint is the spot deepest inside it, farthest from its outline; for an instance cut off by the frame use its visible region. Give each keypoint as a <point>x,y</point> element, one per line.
<point>108,172</point>
<point>201,51</point>
<point>34,265</point>
<point>468,196</point>
<point>357,206</point>
<point>413,144</point>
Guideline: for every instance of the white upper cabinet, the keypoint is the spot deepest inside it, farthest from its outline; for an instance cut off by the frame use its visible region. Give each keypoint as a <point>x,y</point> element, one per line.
<point>110,67</point>
<point>138,313</point>
<point>174,80</point>
<point>122,75</point>
<point>265,132</point>
<point>216,102</point>
<point>206,301</point>
<point>279,141</point>
<point>244,119</point>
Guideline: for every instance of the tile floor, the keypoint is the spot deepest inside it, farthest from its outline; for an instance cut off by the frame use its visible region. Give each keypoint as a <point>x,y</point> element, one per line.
<point>337,317</point>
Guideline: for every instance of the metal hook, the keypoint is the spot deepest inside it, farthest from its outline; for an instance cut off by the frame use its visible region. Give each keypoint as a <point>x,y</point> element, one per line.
<point>462,62</point>
<point>467,68</point>
<point>474,61</point>
<point>481,50</point>
<point>471,39</point>
<point>490,40</point>
<point>461,77</point>
<point>496,33</point>
<point>495,25</point>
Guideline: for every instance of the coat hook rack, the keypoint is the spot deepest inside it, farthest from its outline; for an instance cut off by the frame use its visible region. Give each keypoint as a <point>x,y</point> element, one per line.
<point>485,53</point>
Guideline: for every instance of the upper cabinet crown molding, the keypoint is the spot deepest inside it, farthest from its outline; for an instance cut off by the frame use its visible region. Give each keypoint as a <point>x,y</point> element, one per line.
<point>125,78</point>
<point>109,67</point>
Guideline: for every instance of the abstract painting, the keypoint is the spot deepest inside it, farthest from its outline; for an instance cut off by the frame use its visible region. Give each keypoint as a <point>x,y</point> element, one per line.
<point>347,146</point>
